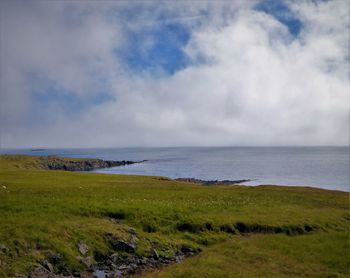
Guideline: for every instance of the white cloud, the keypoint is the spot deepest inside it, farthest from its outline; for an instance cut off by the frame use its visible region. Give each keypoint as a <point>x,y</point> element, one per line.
<point>256,84</point>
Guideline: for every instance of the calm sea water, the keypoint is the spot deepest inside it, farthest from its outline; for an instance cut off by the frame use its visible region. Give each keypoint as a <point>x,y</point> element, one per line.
<point>325,167</point>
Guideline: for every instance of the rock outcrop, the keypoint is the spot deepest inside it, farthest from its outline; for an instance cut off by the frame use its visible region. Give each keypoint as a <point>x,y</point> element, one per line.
<point>212,182</point>
<point>84,164</point>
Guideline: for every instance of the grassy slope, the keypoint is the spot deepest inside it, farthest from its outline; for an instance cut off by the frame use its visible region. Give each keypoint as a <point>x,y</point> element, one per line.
<point>318,255</point>
<point>52,210</point>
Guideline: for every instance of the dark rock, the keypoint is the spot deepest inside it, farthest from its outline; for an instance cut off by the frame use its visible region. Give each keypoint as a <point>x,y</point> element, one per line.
<point>245,228</point>
<point>212,182</point>
<point>121,245</point>
<point>227,228</point>
<point>308,228</point>
<point>209,226</point>
<point>188,251</point>
<point>100,256</point>
<point>126,264</point>
<point>189,227</point>
<point>53,257</point>
<point>123,263</point>
<point>65,271</point>
<point>66,164</point>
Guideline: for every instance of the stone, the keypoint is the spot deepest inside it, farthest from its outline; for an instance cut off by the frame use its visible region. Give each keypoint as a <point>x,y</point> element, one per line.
<point>41,272</point>
<point>4,249</point>
<point>47,265</point>
<point>114,257</point>
<point>187,250</point>
<point>143,261</point>
<point>87,262</point>
<point>179,258</point>
<point>83,248</point>
<point>53,257</point>
<point>123,267</point>
<point>121,245</point>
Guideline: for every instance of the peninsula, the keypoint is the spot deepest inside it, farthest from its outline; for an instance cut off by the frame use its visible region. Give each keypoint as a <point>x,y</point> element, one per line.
<point>74,224</point>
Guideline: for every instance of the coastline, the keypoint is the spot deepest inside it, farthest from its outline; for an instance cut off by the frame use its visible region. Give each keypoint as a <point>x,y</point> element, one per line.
<point>70,223</point>
<point>95,165</point>
<point>86,164</point>
<point>322,167</point>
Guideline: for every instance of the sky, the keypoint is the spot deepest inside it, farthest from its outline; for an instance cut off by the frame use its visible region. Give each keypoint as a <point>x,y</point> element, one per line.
<point>166,73</point>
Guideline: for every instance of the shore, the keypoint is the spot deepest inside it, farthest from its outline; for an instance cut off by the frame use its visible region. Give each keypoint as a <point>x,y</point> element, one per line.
<point>62,223</point>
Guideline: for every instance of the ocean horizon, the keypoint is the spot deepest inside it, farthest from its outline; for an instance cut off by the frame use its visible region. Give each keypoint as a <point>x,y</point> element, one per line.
<point>323,167</point>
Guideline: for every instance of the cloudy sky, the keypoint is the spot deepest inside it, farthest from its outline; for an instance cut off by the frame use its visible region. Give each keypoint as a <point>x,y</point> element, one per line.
<point>191,73</point>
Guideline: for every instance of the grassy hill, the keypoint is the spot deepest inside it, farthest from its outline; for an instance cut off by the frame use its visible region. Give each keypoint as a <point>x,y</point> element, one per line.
<point>225,231</point>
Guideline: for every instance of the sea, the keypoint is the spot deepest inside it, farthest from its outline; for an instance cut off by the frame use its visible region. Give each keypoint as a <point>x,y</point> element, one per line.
<point>323,167</point>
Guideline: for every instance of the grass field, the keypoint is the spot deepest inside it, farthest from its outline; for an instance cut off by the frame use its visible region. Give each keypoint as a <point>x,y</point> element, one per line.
<point>265,231</point>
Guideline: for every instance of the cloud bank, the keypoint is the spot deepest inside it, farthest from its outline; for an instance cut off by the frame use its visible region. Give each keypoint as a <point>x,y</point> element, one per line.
<point>112,74</point>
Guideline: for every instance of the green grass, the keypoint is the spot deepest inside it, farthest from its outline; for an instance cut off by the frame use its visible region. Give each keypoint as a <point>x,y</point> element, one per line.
<point>43,211</point>
<point>317,255</point>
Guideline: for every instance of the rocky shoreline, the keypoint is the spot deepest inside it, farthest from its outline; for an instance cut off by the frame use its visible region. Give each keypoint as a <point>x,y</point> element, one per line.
<point>90,164</point>
<point>85,164</point>
<point>123,261</point>
<point>212,182</point>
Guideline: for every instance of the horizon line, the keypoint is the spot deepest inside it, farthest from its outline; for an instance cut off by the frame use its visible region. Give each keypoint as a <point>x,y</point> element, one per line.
<point>167,147</point>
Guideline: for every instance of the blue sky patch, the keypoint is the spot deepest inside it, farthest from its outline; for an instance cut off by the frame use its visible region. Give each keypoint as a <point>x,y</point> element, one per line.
<point>70,103</point>
<point>47,94</point>
<point>158,48</point>
<point>279,10</point>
